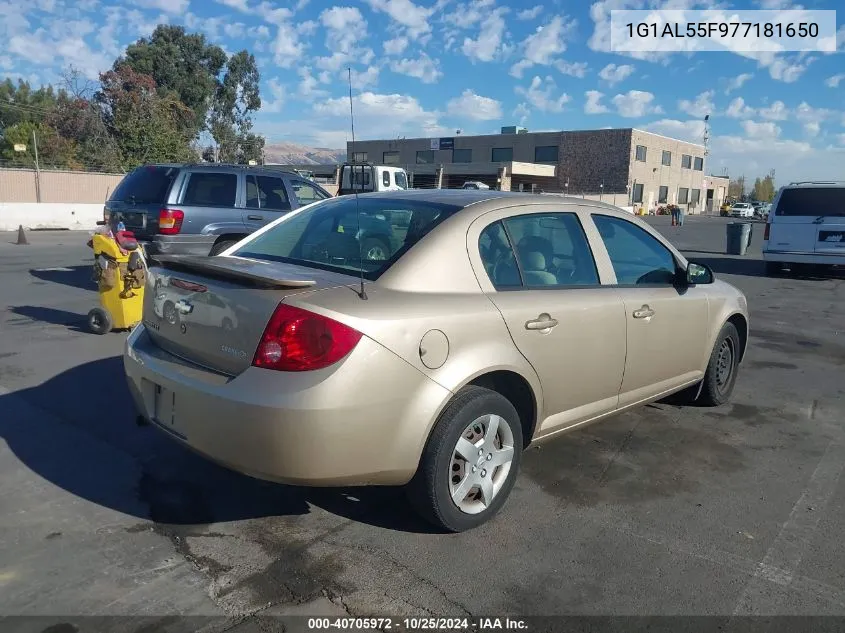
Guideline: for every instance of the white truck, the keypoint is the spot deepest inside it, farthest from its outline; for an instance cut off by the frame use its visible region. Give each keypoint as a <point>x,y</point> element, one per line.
<point>366,177</point>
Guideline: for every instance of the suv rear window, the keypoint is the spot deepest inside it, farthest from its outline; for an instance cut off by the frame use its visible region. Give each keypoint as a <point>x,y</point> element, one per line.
<point>146,185</point>
<point>327,235</point>
<point>812,201</point>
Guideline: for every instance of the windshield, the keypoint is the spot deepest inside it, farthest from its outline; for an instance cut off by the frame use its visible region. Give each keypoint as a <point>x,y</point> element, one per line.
<point>348,236</point>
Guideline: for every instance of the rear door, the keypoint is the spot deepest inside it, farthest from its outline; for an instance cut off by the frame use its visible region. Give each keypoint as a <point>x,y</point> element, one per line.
<point>267,200</point>
<point>545,283</point>
<point>209,200</point>
<point>793,220</point>
<point>140,196</point>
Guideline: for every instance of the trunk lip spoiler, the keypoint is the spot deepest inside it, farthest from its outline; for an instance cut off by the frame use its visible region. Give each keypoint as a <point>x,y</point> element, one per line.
<point>197,263</point>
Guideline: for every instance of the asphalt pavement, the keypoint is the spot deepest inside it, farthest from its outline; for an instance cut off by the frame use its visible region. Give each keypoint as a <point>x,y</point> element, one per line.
<point>662,511</point>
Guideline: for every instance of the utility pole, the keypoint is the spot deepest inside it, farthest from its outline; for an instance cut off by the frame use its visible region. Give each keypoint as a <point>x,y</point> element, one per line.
<point>37,169</point>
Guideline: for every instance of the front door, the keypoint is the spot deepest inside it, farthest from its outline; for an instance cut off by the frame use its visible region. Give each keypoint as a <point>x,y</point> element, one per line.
<point>564,323</point>
<point>266,200</point>
<point>667,324</point>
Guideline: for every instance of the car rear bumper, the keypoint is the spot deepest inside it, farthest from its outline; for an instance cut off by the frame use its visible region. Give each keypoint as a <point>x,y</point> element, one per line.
<point>332,427</point>
<point>180,244</point>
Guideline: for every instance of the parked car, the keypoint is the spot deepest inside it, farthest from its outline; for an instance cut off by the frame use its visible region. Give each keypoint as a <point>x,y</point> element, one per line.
<point>475,184</point>
<point>484,331</point>
<point>742,210</point>
<point>806,227</point>
<point>204,209</point>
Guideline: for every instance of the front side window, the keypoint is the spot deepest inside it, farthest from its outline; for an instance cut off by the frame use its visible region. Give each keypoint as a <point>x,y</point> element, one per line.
<point>306,193</point>
<point>401,180</point>
<point>211,190</point>
<point>637,257</point>
<point>266,192</point>
<point>501,155</point>
<point>347,235</point>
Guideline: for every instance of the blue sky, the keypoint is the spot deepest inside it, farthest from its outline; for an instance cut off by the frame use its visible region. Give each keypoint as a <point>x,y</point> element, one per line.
<point>429,68</point>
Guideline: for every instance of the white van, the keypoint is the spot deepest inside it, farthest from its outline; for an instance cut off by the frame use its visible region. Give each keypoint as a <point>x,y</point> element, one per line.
<point>806,225</point>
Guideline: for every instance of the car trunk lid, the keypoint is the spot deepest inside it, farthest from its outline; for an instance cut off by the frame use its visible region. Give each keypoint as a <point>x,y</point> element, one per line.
<point>212,311</point>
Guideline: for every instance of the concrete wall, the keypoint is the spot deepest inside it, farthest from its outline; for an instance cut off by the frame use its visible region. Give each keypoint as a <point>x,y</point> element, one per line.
<point>19,185</point>
<point>46,215</point>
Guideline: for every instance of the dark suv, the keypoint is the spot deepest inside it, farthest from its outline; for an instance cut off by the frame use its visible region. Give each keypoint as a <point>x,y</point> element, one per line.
<point>204,209</point>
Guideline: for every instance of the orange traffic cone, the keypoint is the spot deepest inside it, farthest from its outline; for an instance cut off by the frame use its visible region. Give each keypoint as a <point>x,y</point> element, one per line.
<point>21,235</point>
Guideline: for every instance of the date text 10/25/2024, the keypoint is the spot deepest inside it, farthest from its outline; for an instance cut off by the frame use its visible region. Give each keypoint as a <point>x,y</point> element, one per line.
<point>418,624</point>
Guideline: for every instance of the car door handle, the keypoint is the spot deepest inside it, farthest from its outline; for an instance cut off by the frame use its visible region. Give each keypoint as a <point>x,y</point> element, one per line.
<point>542,322</point>
<point>255,217</point>
<point>643,313</point>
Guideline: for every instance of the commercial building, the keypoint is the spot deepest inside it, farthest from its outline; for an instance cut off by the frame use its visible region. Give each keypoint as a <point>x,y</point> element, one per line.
<point>627,167</point>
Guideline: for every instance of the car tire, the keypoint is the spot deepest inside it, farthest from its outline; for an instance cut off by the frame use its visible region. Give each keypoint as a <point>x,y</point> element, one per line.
<point>100,321</point>
<point>443,473</point>
<point>722,369</point>
<point>375,249</point>
<point>221,246</point>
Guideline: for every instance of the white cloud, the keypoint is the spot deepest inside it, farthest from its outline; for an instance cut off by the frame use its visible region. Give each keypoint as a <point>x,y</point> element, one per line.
<point>308,87</point>
<point>473,106</point>
<point>521,113</point>
<point>573,69</point>
<point>542,94</point>
<point>366,79</point>
<point>840,38</point>
<point>690,131</point>
<point>287,49</point>
<point>487,46</point>
<point>812,129</point>
<point>469,14</point>
<point>613,74</point>
<point>635,103</point>
<point>174,7</point>
<point>530,14</point>
<point>737,82</point>
<point>423,68</point>
<point>761,131</point>
<point>64,43</point>
<point>412,17</point>
<point>703,104</point>
<point>277,90</point>
<point>841,138</point>
<point>739,110</point>
<point>812,118</point>
<point>789,72</point>
<point>834,81</point>
<point>240,5</point>
<point>593,104</point>
<point>544,45</point>
<point>396,46</point>
<point>345,27</point>
<point>307,28</point>
<point>775,112</point>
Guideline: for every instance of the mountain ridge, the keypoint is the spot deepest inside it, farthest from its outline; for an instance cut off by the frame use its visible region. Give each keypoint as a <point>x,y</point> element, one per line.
<point>296,154</point>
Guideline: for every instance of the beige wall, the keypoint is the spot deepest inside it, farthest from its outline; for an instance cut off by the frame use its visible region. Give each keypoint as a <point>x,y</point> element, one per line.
<point>18,185</point>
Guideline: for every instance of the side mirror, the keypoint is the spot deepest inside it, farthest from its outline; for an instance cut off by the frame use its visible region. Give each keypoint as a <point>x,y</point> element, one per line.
<point>698,274</point>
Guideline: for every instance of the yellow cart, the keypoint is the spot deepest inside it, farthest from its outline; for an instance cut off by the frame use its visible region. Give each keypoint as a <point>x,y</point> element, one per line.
<point>120,273</point>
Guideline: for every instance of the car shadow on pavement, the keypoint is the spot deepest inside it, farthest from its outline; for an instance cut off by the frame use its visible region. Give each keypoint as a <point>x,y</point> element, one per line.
<point>74,276</point>
<point>757,268</point>
<point>77,430</point>
<point>54,316</point>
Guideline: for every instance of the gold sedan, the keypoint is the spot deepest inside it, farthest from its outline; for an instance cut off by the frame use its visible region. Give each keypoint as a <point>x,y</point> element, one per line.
<point>488,322</point>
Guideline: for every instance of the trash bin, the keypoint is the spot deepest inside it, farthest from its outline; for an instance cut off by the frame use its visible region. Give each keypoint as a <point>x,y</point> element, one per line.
<point>739,237</point>
<point>120,272</point>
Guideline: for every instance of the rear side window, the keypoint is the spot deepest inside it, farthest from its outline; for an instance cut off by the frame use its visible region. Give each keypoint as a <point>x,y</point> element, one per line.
<point>146,185</point>
<point>211,190</point>
<point>265,192</point>
<point>812,201</point>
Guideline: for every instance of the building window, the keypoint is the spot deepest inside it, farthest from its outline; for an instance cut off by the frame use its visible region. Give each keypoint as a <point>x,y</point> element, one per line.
<point>637,195</point>
<point>502,155</point>
<point>546,154</point>
<point>696,196</point>
<point>425,157</point>
<point>683,195</point>
<point>461,155</point>
<point>359,157</point>
<point>699,164</point>
<point>686,161</point>
<point>390,158</point>
<point>663,195</point>
<point>667,158</point>
<point>641,153</point>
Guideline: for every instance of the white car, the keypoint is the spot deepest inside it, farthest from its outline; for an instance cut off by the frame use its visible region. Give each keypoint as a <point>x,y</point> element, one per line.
<point>806,226</point>
<point>742,210</point>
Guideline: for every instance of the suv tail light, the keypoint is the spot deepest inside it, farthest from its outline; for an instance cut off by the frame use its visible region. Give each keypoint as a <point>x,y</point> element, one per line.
<point>766,231</point>
<point>170,221</point>
<point>299,340</point>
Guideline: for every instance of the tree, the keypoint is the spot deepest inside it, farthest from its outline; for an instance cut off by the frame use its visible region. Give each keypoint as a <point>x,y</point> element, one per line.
<point>20,103</point>
<point>53,149</point>
<point>736,188</point>
<point>230,121</point>
<point>147,126</point>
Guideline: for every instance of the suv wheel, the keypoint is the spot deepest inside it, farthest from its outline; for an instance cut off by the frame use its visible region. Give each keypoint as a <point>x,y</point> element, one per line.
<point>221,246</point>
<point>470,462</point>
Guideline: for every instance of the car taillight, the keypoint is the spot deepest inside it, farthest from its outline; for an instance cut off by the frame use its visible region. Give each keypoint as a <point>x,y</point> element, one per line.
<point>299,340</point>
<point>170,221</point>
<point>766,231</point>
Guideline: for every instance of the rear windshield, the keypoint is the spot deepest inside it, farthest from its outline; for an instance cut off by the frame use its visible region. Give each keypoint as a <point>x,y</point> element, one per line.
<point>337,235</point>
<point>812,201</point>
<point>146,185</point>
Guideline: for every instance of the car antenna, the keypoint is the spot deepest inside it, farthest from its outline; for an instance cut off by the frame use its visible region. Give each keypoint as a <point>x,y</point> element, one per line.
<point>362,294</point>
